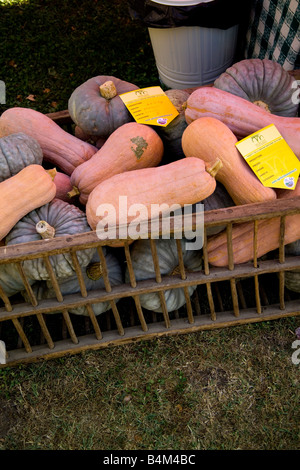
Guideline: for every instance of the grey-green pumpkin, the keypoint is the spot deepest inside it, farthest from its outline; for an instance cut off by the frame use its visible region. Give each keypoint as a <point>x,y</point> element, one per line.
<point>57,218</point>
<point>10,279</point>
<point>292,278</point>
<point>16,152</point>
<point>143,265</point>
<point>93,280</point>
<point>263,82</point>
<point>96,114</point>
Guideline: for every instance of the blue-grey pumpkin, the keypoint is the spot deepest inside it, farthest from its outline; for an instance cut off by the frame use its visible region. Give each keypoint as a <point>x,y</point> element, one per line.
<point>143,266</point>
<point>94,113</point>
<point>10,279</point>
<point>16,152</point>
<point>263,82</point>
<point>93,280</point>
<point>292,278</point>
<point>63,219</point>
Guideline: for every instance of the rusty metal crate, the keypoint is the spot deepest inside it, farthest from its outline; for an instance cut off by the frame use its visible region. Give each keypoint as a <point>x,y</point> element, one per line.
<point>237,294</point>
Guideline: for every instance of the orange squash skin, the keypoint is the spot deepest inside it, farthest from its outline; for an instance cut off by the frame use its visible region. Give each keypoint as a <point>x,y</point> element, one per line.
<point>32,187</point>
<point>59,148</point>
<point>130,147</point>
<point>185,181</point>
<point>208,138</point>
<point>243,236</point>
<point>241,116</point>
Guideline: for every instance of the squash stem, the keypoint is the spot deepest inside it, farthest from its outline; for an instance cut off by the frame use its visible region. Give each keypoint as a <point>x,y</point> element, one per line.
<point>175,271</point>
<point>45,230</point>
<point>52,173</point>
<point>74,192</point>
<point>214,168</point>
<point>94,271</point>
<point>262,105</point>
<point>108,90</point>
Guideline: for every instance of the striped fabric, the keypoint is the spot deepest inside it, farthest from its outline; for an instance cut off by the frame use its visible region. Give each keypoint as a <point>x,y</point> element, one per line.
<point>273,32</point>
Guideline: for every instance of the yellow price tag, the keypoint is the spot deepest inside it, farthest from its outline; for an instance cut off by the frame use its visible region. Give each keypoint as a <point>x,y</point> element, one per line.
<point>271,158</point>
<point>150,106</point>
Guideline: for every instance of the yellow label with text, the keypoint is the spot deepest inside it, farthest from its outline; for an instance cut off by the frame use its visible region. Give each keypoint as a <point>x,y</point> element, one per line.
<point>271,158</point>
<point>150,106</point>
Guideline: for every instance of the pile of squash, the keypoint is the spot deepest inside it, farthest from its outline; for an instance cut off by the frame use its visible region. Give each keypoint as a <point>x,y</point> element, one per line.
<point>52,182</point>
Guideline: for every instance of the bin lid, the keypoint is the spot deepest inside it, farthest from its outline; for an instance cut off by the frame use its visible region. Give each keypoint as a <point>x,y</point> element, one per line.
<point>180,3</point>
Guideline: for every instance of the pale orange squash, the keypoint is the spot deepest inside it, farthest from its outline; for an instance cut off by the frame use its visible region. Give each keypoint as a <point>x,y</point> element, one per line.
<point>63,186</point>
<point>243,236</point>
<point>130,147</point>
<point>240,115</point>
<point>59,148</point>
<point>32,187</point>
<point>208,138</point>
<point>146,193</point>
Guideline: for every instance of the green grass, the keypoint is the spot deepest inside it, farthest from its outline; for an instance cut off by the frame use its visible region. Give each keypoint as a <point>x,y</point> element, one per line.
<point>49,48</point>
<point>228,389</point>
<point>233,388</point>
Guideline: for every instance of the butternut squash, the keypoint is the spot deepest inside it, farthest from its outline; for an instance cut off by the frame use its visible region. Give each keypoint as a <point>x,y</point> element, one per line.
<point>59,148</point>
<point>150,192</point>
<point>130,147</point>
<point>63,186</point>
<point>210,139</point>
<point>32,187</point>
<point>240,115</point>
<point>243,236</point>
